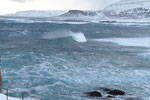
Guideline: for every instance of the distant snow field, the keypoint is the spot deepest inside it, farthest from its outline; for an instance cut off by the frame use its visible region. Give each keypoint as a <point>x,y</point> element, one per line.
<point>37,13</point>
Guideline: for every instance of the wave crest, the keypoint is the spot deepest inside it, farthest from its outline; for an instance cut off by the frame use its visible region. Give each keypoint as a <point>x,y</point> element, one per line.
<point>77,36</point>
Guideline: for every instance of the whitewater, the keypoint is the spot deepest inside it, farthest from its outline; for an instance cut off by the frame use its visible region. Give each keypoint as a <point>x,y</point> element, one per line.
<point>137,42</point>
<point>63,61</point>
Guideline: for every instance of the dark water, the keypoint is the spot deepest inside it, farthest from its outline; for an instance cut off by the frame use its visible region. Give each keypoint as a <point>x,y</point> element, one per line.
<point>60,68</point>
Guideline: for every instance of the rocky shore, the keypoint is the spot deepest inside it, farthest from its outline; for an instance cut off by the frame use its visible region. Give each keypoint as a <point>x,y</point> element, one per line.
<point>108,93</point>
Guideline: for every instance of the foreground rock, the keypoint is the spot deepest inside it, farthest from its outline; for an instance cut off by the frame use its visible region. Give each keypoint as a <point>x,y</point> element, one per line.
<point>106,93</point>
<point>112,94</point>
<point>116,92</point>
<point>94,94</point>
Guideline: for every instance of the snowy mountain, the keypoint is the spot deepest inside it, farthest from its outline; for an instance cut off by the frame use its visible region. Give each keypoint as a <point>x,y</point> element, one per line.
<point>37,13</point>
<point>81,16</point>
<point>122,10</point>
<point>79,13</point>
<point>132,9</point>
<point>129,4</point>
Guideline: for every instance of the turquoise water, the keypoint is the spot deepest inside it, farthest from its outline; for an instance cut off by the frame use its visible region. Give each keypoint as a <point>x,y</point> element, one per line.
<point>38,60</point>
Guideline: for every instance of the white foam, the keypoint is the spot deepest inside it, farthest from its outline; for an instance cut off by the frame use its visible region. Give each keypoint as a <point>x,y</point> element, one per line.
<point>148,98</point>
<point>64,22</point>
<point>3,97</point>
<point>77,36</point>
<point>139,42</point>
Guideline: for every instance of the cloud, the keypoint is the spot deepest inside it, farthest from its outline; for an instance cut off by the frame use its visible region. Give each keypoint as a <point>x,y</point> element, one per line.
<point>21,5</point>
<point>22,1</point>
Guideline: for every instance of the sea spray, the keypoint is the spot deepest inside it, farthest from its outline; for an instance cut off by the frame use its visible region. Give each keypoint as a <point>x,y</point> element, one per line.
<point>77,36</point>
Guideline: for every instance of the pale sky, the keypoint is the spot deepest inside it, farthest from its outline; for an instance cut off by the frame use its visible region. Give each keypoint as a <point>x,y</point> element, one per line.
<point>12,6</point>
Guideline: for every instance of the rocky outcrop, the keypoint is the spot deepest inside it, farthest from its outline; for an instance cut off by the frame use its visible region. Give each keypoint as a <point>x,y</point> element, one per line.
<point>106,93</point>
<point>79,13</point>
<point>94,94</point>
<point>116,92</point>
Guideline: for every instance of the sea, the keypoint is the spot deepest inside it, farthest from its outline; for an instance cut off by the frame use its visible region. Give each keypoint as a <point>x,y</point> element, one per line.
<point>64,61</point>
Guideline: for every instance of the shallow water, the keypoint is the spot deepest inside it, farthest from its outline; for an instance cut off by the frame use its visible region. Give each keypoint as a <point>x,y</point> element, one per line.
<point>61,68</point>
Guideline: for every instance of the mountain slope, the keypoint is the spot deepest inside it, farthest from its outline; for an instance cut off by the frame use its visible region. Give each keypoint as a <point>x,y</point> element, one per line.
<point>79,13</point>
<point>132,9</point>
<point>129,4</point>
<point>37,13</point>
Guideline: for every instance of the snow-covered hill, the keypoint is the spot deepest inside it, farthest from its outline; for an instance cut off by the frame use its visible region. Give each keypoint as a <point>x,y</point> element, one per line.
<point>128,4</point>
<point>132,9</point>
<point>37,13</point>
<point>82,16</point>
<point>79,13</point>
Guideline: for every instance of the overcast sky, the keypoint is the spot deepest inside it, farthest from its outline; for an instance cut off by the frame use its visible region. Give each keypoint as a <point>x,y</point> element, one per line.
<point>11,6</point>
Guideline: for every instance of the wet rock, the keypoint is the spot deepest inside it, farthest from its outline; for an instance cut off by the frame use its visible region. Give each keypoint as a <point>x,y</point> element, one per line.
<point>105,89</point>
<point>109,96</point>
<point>116,92</point>
<point>94,94</point>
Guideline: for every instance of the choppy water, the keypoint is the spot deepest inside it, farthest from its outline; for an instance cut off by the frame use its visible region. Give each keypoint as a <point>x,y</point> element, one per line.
<point>41,59</point>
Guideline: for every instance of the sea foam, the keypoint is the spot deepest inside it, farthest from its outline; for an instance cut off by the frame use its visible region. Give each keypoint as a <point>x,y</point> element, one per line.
<point>139,41</point>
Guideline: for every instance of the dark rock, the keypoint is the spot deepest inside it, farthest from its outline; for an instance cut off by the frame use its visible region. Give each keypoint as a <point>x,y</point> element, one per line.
<point>78,13</point>
<point>116,92</point>
<point>107,21</point>
<point>109,96</point>
<point>94,94</point>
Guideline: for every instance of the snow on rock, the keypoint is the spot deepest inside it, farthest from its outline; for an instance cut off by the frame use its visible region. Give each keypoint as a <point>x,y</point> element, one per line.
<point>79,13</point>
<point>129,9</point>
<point>82,16</point>
<point>123,10</point>
<point>129,4</point>
<point>3,97</point>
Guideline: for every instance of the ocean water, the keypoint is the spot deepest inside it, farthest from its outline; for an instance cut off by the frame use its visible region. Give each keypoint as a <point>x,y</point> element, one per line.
<point>62,61</point>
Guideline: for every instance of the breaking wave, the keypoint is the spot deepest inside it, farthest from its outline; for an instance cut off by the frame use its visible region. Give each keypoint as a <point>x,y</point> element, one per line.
<point>77,36</point>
